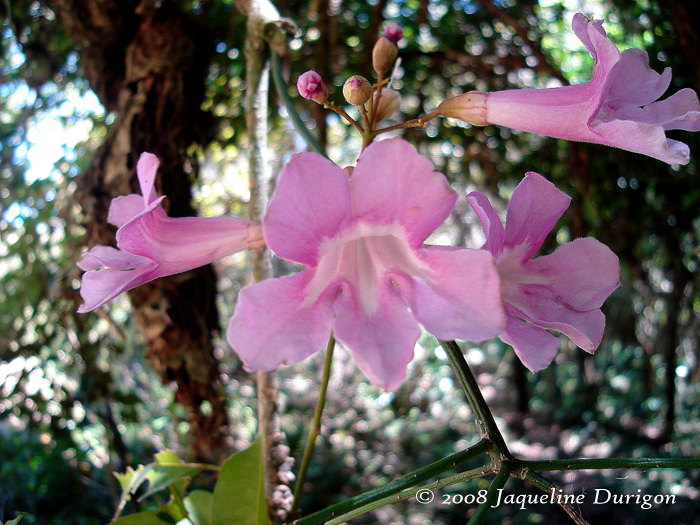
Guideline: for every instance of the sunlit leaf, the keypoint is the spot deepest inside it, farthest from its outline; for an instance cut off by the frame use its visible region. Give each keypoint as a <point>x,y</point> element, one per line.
<point>239,495</point>
<point>198,505</point>
<point>165,471</point>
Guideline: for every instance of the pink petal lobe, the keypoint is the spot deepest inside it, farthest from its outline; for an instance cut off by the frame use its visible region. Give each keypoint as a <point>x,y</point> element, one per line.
<point>310,204</point>
<point>490,222</point>
<point>393,184</point>
<point>382,340</point>
<point>534,209</point>
<point>460,299</point>
<point>535,347</point>
<point>146,169</point>
<point>109,272</point>
<point>647,139</point>
<point>272,326</point>
<point>124,208</point>
<point>634,83</point>
<point>582,273</point>
<point>541,308</point>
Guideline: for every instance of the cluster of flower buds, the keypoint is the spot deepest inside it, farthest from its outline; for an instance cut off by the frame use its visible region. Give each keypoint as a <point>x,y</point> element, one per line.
<point>381,101</point>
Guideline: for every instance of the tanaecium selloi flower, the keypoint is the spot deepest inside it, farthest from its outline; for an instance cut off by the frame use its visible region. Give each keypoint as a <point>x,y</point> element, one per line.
<point>618,107</point>
<point>150,244</point>
<point>369,278</point>
<point>562,291</point>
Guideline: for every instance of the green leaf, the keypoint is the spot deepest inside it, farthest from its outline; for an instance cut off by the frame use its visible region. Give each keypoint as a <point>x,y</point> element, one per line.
<point>239,494</point>
<point>149,517</point>
<point>198,506</point>
<point>16,521</point>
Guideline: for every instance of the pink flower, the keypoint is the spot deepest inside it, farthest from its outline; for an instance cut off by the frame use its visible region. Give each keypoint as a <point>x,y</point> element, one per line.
<point>369,277</point>
<point>153,245</point>
<point>562,291</point>
<point>617,107</point>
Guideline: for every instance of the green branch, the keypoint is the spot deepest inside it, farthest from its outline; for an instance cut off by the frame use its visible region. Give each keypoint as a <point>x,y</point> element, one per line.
<point>483,510</point>
<point>611,463</point>
<point>393,488</point>
<point>412,492</point>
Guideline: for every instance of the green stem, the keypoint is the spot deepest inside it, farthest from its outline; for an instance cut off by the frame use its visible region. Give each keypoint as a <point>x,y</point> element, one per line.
<point>281,87</point>
<point>393,488</point>
<point>483,510</point>
<point>315,427</point>
<point>611,463</point>
<point>482,413</point>
<point>410,493</point>
<point>550,488</point>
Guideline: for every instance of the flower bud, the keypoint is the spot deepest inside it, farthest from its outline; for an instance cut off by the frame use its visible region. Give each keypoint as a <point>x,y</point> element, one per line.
<point>390,102</point>
<point>469,107</point>
<point>357,90</point>
<point>311,86</point>
<point>383,55</point>
<point>393,33</point>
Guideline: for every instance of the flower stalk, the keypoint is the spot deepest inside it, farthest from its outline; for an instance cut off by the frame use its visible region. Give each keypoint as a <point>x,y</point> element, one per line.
<point>482,412</point>
<point>315,429</point>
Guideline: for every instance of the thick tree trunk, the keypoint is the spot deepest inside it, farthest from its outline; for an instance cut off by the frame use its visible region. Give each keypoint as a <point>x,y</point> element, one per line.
<point>148,63</point>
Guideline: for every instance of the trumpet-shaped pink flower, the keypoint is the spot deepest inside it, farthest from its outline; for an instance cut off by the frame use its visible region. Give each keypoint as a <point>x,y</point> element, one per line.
<point>562,291</point>
<point>618,107</point>
<point>369,277</point>
<point>151,244</point>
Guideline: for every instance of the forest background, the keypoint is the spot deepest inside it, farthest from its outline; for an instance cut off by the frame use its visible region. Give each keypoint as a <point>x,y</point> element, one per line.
<point>84,396</point>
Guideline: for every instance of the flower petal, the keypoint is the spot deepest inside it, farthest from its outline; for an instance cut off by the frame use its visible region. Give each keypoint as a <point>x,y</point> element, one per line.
<point>490,222</point>
<point>582,273</point>
<point>634,83</point>
<point>539,307</point>
<point>124,208</point>
<point>310,204</point>
<point>535,347</point>
<point>603,50</point>
<point>146,169</point>
<point>393,184</point>
<point>109,272</point>
<point>534,209</point>
<point>382,342</point>
<point>461,299</point>
<point>270,327</point>
<point>647,139</point>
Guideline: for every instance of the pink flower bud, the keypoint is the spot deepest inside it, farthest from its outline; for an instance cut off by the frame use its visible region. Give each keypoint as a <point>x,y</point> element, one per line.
<point>393,33</point>
<point>383,55</point>
<point>311,86</point>
<point>357,90</point>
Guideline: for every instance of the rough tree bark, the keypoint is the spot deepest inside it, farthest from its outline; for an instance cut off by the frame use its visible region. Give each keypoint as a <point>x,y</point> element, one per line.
<point>147,61</point>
